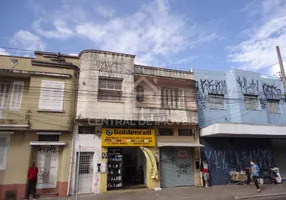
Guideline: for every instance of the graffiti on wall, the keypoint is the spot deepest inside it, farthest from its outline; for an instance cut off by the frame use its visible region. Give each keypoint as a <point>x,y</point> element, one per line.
<point>206,87</point>
<point>213,86</point>
<point>271,91</point>
<point>225,155</point>
<point>48,149</point>
<point>44,174</point>
<point>111,67</point>
<point>97,159</point>
<point>250,87</point>
<point>182,168</point>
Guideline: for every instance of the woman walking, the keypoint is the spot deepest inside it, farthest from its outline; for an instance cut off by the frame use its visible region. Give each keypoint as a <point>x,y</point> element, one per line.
<point>32,180</point>
<point>255,171</point>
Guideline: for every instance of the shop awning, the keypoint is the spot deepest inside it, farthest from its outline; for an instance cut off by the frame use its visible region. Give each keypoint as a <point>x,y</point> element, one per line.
<point>40,143</point>
<point>243,130</point>
<point>179,144</point>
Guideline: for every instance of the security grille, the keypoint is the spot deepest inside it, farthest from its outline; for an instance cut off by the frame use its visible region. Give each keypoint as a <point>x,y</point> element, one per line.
<point>85,172</point>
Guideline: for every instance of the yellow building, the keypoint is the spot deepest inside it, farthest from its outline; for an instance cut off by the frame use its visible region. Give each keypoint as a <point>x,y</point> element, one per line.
<point>37,107</point>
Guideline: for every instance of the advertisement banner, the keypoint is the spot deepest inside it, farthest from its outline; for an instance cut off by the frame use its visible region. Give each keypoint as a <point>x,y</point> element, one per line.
<point>117,137</point>
<point>151,160</point>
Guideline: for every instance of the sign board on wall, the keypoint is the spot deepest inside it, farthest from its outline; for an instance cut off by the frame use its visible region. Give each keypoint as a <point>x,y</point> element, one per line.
<point>116,137</point>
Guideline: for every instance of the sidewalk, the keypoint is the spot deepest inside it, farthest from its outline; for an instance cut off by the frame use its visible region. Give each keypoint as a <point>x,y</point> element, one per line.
<point>185,193</point>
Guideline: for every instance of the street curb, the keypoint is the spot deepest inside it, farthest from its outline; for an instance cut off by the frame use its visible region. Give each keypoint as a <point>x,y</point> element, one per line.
<point>260,196</point>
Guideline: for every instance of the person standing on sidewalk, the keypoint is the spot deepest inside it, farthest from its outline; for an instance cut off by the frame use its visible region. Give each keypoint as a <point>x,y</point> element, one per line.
<point>32,180</point>
<point>205,172</point>
<point>255,171</point>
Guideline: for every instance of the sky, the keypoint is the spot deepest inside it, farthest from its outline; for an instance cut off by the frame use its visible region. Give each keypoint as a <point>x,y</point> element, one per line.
<point>177,34</point>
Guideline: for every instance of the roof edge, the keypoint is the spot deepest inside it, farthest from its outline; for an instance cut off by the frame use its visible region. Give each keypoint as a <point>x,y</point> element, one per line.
<point>105,52</point>
<point>164,69</point>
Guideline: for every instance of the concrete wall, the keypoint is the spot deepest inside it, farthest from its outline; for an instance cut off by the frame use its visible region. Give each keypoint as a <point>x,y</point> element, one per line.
<point>234,85</point>
<point>95,64</point>
<point>19,158</point>
<point>32,86</point>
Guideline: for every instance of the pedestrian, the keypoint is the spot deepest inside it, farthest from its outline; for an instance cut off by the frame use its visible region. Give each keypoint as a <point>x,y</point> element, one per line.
<point>205,171</point>
<point>255,171</point>
<point>32,180</point>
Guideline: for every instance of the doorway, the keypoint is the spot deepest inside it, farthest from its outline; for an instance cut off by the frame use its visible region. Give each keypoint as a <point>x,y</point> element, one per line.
<point>47,161</point>
<point>126,168</point>
<point>176,167</point>
<point>85,172</point>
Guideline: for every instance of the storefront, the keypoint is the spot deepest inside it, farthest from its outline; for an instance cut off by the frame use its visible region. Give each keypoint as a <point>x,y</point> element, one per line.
<point>229,148</point>
<point>128,159</point>
<point>176,167</point>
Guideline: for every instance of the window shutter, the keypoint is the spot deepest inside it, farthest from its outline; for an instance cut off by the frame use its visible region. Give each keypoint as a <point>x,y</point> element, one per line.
<point>17,93</point>
<point>4,142</point>
<point>181,99</point>
<point>52,95</point>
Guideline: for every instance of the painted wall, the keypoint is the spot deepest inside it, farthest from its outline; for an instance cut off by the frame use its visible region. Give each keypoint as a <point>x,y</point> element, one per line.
<point>30,99</point>
<point>19,158</point>
<point>93,65</point>
<point>226,154</point>
<point>234,85</point>
<point>88,143</point>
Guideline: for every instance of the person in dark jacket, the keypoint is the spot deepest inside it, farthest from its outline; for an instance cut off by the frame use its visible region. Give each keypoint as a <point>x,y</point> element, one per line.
<point>32,180</point>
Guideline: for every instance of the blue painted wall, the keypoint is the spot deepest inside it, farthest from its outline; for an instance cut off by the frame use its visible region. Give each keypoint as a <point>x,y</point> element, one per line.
<point>234,85</point>
<point>225,154</point>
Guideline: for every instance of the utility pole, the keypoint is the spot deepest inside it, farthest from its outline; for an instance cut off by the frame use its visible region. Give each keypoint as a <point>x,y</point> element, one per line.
<point>282,71</point>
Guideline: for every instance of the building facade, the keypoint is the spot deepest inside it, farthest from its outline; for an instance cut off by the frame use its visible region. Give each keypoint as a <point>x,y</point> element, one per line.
<point>242,117</point>
<point>36,121</point>
<point>133,119</point>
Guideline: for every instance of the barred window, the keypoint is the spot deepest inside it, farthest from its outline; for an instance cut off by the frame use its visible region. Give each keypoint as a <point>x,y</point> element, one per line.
<point>251,102</point>
<point>216,101</point>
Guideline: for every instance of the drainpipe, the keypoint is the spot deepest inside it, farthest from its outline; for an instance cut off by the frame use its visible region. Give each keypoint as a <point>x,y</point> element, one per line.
<point>73,125</point>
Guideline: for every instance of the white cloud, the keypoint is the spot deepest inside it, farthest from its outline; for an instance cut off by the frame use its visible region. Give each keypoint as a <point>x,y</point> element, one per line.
<point>3,52</point>
<point>151,31</point>
<point>154,28</point>
<point>259,51</point>
<point>185,60</point>
<point>27,40</point>
<point>61,30</point>
<point>104,11</point>
<point>73,54</point>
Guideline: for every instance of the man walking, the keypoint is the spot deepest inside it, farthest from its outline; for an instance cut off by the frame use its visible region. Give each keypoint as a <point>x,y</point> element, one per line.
<point>32,180</point>
<point>255,171</point>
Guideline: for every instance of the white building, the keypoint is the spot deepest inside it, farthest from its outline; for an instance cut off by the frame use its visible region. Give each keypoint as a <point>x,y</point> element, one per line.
<point>123,107</point>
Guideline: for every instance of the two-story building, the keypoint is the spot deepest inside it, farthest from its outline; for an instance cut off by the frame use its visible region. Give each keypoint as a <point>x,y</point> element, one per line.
<point>37,101</point>
<point>241,117</point>
<point>136,125</point>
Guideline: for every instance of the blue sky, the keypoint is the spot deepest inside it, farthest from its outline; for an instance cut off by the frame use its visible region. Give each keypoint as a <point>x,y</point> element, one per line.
<point>180,34</point>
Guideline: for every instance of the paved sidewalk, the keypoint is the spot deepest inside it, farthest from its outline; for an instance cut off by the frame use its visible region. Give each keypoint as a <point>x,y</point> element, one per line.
<point>184,193</point>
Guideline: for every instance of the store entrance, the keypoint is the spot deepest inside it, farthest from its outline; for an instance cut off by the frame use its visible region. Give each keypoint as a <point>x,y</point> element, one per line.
<point>126,168</point>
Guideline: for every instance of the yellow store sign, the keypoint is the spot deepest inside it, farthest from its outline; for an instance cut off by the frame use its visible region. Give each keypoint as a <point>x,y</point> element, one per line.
<point>115,137</point>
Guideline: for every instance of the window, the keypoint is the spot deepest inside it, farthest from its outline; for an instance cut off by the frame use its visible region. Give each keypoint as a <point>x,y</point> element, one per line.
<point>251,102</point>
<point>4,94</point>
<point>140,93</point>
<point>52,95</point>
<point>172,98</point>
<point>17,93</point>
<point>4,144</point>
<point>273,106</point>
<point>166,132</point>
<point>216,101</point>
<point>185,132</point>
<point>110,89</point>
<point>86,130</point>
<point>50,138</point>
<point>85,163</point>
